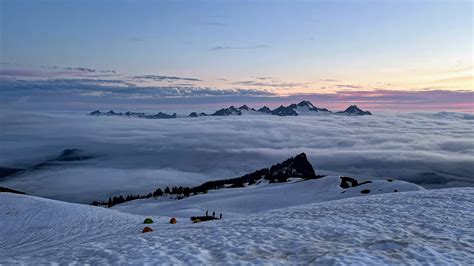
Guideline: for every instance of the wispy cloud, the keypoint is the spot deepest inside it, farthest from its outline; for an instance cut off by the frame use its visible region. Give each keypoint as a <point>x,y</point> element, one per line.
<point>21,73</point>
<point>164,78</point>
<point>264,78</point>
<point>12,70</point>
<point>220,48</point>
<point>350,86</point>
<point>109,91</point>
<point>273,84</point>
<point>81,69</point>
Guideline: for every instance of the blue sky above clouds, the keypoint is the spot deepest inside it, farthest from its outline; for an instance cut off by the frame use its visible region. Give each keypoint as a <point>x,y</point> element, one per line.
<point>272,48</point>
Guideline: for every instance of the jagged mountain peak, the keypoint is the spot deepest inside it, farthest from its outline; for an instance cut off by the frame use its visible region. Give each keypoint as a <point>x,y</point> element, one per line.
<point>244,107</point>
<point>306,103</point>
<point>297,166</point>
<point>354,110</point>
<point>265,109</point>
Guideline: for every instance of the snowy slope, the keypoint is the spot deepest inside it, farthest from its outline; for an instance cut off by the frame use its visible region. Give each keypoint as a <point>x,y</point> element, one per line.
<point>427,226</point>
<point>261,197</point>
<point>310,111</point>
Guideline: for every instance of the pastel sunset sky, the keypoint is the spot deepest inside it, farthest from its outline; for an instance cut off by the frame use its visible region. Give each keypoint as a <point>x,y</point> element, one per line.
<point>387,55</point>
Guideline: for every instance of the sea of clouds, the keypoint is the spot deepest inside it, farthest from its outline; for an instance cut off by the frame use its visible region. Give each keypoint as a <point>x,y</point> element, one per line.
<point>135,155</point>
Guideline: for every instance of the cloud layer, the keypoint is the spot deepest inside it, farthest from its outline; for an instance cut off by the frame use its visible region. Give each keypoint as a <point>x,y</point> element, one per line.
<point>136,155</point>
<point>90,94</point>
<point>164,78</point>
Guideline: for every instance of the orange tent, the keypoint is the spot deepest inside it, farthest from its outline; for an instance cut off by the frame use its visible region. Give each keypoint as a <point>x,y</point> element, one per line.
<point>147,229</point>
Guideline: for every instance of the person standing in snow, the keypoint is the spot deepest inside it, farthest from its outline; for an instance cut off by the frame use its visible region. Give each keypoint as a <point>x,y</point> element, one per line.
<point>214,214</point>
<point>207,213</point>
<point>220,216</point>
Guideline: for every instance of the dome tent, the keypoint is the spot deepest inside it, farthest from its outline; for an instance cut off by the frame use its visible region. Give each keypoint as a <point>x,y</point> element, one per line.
<point>147,229</point>
<point>148,221</point>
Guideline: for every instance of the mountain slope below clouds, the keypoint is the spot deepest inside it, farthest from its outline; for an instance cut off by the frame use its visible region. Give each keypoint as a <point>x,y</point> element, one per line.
<point>421,227</point>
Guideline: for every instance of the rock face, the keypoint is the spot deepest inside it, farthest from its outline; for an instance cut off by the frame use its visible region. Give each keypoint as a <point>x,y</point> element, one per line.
<point>227,111</point>
<point>265,110</point>
<point>354,110</point>
<point>244,107</point>
<point>9,190</point>
<point>298,166</point>
<point>311,107</point>
<point>348,182</point>
<point>161,115</point>
<point>285,111</point>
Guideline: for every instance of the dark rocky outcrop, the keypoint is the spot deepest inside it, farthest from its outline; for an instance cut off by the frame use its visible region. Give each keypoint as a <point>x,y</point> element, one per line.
<point>9,190</point>
<point>297,166</point>
<point>244,107</point>
<point>227,111</point>
<point>354,110</point>
<point>161,115</point>
<point>198,219</point>
<point>348,182</point>
<point>311,107</point>
<point>97,112</point>
<point>265,110</point>
<point>285,111</point>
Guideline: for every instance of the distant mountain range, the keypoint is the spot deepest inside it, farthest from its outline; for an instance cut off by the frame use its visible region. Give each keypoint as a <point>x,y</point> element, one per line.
<point>302,108</point>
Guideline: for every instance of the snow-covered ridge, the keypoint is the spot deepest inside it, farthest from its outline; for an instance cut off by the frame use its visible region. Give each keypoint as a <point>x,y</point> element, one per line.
<point>419,227</point>
<point>264,196</point>
<point>302,108</point>
<point>295,170</point>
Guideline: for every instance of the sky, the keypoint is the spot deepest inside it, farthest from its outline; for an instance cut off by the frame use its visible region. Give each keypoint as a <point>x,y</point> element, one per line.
<point>384,55</point>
